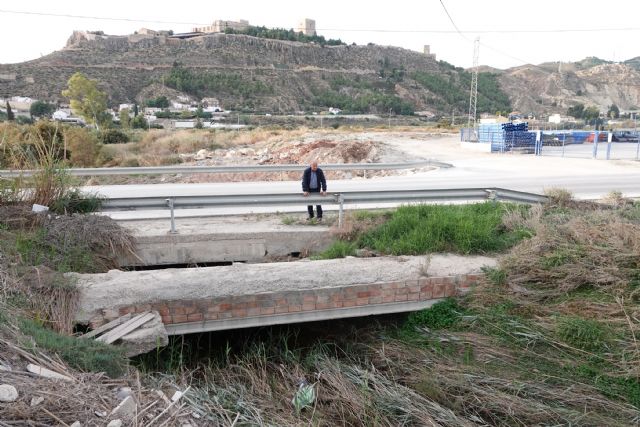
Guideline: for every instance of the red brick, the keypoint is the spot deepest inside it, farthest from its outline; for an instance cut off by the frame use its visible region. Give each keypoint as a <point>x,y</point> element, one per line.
<point>413,296</point>
<point>322,298</point>
<point>308,306</point>
<point>323,305</point>
<point>362,301</point>
<point>252,304</point>
<point>386,292</point>
<point>224,307</point>
<point>239,306</point>
<point>239,312</point>
<point>295,308</point>
<point>388,298</point>
<point>427,289</point>
<point>401,297</point>
<point>398,285</point>
<point>337,297</point>
<point>450,290</point>
<point>349,303</point>
<point>267,310</point>
<point>166,319</point>
<point>281,309</point>
<point>195,317</point>
<point>178,310</point>
<point>143,308</point>
<point>253,311</point>
<point>191,309</point>
<point>438,290</point>
<point>225,315</point>
<point>402,291</point>
<point>375,300</point>
<point>306,299</point>
<point>337,304</point>
<point>125,310</point>
<point>363,294</point>
<point>163,311</point>
<point>179,318</point>
<point>351,292</point>
<point>281,302</point>
<point>424,296</point>
<point>414,288</point>
<point>424,281</point>
<point>211,316</point>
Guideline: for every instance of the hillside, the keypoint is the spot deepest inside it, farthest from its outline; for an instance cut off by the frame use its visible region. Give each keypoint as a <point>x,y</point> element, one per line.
<point>251,73</point>
<point>554,87</point>
<point>263,75</point>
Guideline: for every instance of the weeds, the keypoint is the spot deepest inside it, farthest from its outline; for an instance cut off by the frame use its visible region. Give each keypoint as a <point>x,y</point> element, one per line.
<point>466,229</point>
<point>441,315</point>
<point>82,354</point>
<point>338,249</point>
<point>584,334</point>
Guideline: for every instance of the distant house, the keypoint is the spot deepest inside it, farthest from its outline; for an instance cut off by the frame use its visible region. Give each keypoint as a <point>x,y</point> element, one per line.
<point>333,110</point>
<point>60,115</point>
<point>125,107</point>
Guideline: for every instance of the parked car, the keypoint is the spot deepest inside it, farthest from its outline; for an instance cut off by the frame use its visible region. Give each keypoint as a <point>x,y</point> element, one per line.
<point>625,136</point>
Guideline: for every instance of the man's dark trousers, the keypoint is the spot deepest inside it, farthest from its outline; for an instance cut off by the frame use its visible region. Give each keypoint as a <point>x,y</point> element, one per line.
<point>318,207</point>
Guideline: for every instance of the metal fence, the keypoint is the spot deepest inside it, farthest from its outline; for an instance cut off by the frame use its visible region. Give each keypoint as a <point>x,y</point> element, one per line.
<point>293,199</point>
<point>576,144</point>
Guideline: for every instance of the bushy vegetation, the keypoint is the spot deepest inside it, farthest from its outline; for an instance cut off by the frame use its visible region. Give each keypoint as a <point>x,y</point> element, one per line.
<point>282,34</point>
<point>451,90</point>
<point>466,229</point>
<point>366,102</point>
<point>202,83</point>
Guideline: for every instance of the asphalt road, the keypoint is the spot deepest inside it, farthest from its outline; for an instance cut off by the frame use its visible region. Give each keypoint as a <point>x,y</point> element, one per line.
<point>585,178</point>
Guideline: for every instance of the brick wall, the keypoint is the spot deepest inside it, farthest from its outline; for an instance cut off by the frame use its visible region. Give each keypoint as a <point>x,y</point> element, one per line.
<point>271,303</point>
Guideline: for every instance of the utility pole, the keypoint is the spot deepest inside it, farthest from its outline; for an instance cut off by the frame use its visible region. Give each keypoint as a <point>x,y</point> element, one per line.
<point>473,95</point>
<point>453,118</point>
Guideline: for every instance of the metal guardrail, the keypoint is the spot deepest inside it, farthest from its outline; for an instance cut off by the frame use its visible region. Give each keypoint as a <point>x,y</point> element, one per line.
<point>153,170</point>
<point>289,199</point>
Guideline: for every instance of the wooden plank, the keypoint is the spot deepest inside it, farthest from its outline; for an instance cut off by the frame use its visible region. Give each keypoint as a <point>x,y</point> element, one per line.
<point>125,328</point>
<point>107,326</point>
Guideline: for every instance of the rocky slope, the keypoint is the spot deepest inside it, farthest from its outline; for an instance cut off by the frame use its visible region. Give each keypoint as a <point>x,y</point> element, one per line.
<point>557,86</point>
<point>306,76</point>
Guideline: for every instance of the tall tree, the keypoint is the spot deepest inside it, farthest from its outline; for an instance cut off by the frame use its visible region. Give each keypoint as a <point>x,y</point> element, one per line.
<point>87,100</point>
<point>614,111</point>
<point>41,109</point>
<point>10,116</point>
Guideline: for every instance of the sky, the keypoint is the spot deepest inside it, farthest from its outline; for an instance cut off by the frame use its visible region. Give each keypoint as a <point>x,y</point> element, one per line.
<point>510,33</point>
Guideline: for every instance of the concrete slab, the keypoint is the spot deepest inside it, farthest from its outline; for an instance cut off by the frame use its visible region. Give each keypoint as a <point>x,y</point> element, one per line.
<point>249,238</point>
<point>119,289</point>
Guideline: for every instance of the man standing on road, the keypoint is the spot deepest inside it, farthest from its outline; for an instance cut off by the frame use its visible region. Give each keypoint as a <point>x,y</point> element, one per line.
<point>313,181</point>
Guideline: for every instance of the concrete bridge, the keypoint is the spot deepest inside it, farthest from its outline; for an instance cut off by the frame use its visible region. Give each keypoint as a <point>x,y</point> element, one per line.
<point>248,295</point>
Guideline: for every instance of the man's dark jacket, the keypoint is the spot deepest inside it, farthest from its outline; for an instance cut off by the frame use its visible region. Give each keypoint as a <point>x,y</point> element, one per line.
<point>306,179</point>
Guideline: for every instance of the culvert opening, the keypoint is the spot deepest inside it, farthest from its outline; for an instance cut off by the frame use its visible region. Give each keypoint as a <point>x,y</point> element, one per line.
<point>177,265</point>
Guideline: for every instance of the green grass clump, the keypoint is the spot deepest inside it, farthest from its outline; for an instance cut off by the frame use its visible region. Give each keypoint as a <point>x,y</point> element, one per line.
<point>339,249</point>
<point>441,315</point>
<point>465,229</point>
<point>584,334</point>
<point>74,201</point>
<point>83,354</point>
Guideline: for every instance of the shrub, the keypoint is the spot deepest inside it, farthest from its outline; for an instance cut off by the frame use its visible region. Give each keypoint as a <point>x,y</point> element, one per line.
<point>82,147</point>
<point>74,201</point>
<point>113,136</point>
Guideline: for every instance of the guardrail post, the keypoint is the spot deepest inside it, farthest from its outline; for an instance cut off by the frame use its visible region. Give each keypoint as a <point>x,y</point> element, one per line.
<point>173,217</point>
<point>609,138</point>
<point>596,137</point>
<point>492,195</point>
<point>340,210</point>
<point>564,137</point>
